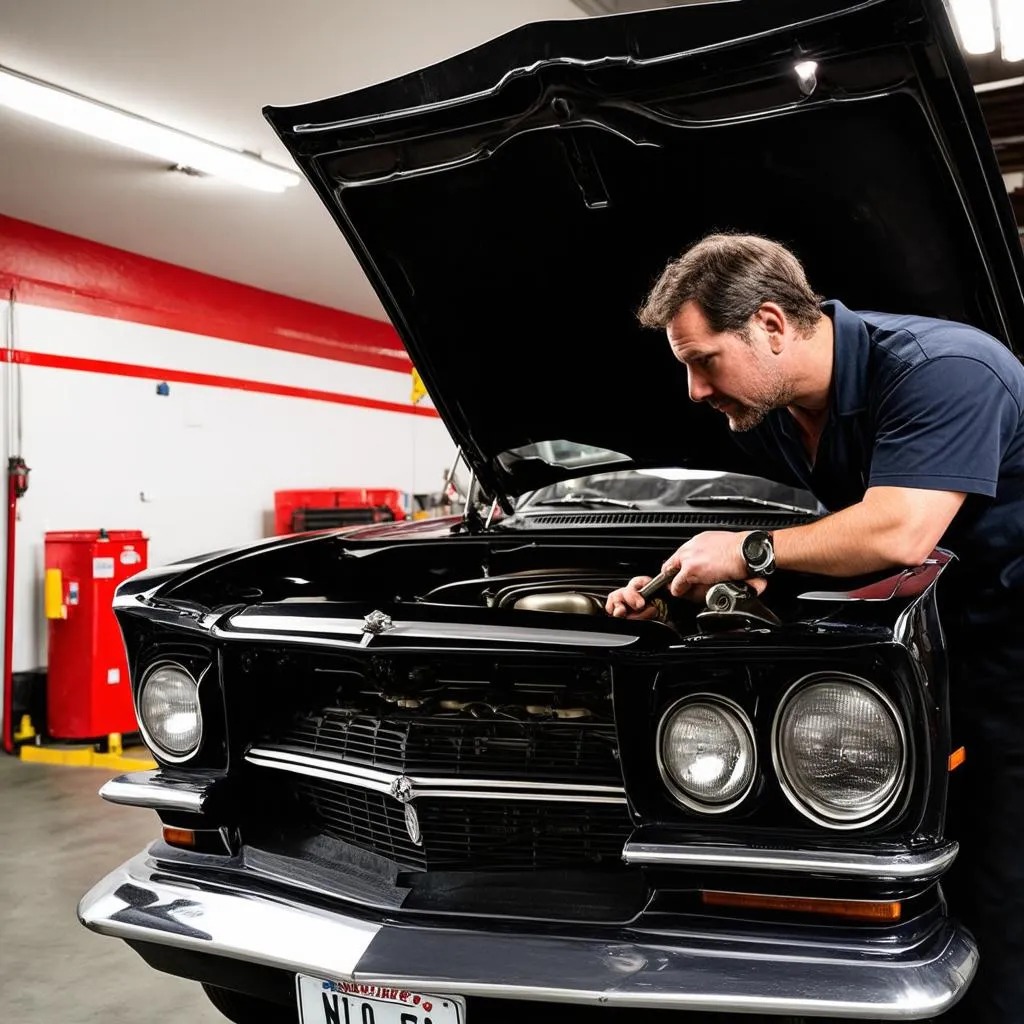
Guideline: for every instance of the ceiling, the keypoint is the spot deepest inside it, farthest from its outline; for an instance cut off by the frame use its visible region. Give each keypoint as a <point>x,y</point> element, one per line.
<point>208,67</point>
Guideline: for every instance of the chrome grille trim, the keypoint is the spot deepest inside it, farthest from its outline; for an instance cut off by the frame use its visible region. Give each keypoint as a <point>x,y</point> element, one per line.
<point>905,865</point>
<point>422,786</point>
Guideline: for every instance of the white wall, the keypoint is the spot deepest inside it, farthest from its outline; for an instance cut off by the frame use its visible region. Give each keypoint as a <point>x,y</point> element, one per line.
<point>195,470</point>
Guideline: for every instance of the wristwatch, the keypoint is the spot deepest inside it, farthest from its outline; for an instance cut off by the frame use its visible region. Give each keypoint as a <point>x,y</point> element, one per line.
<point>758,552</point>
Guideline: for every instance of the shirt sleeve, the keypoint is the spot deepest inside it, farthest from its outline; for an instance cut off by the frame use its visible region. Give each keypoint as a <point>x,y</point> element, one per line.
<point>944,426</point>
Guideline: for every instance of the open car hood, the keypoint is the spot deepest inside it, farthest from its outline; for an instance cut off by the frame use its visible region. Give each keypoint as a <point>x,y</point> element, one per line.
<point>512,205</point>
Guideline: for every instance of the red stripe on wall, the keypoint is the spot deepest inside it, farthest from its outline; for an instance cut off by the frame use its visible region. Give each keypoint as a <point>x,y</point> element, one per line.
<point>212,380</point>
<point>50,268</point>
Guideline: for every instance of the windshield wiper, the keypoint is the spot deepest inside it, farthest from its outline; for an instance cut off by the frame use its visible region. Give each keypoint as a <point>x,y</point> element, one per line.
<point>588,500</point>
<point>747,500</point>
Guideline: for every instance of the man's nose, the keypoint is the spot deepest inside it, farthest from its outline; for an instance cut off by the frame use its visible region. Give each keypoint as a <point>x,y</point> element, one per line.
<point>699,388</point>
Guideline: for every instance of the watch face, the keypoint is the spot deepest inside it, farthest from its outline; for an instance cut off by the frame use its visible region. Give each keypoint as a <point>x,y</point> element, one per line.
<point>757,550</point>
<point>754,546</point>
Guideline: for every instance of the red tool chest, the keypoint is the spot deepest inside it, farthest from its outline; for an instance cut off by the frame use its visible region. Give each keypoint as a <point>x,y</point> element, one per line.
<point>329,507</point>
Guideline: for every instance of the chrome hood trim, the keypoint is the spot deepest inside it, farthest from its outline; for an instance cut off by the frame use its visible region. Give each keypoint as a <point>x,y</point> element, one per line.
<point>257,624</point>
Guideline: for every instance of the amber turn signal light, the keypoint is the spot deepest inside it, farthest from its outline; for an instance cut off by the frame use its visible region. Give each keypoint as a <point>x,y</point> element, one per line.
<point>862,910</point>
<point>957,758</point>
<point>179,837</point>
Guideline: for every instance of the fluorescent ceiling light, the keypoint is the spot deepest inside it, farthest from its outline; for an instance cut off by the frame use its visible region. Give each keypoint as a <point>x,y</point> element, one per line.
<point>102,122</point>
<point>1011,29</point>
<point>975,25</point>
<point>1002,83</point>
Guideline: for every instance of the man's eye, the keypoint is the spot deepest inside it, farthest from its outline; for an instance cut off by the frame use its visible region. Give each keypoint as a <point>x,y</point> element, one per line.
<point>705,361</point>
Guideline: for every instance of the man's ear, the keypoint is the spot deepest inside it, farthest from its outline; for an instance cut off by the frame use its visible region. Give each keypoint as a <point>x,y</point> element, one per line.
<point>772,321</point>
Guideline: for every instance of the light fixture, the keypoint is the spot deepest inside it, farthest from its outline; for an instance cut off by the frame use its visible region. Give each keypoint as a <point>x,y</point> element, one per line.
<point>1011,29</point>
<point>179,149</point>
<point>975,24</point>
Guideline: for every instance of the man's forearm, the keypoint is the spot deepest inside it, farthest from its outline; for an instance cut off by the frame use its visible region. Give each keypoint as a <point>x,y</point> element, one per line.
<point>885,530</point>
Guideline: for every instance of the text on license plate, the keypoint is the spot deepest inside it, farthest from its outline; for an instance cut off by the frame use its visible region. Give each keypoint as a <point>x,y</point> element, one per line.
<point>344,1002</point>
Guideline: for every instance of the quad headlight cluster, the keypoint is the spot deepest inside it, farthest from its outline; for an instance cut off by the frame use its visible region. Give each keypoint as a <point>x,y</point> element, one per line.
<point>838,745</point>
<point>169,712</point>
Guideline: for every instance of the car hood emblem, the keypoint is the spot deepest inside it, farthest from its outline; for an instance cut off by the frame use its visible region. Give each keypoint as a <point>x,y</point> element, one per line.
<point>377,622</point>
<point>402,791</point>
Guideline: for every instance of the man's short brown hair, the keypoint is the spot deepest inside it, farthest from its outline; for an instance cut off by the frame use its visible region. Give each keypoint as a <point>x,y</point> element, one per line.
<point>729,276</point>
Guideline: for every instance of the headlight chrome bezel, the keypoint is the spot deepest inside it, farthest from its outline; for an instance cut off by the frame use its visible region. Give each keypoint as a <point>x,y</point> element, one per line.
<point>158,749</point>
<point>675,791</point>
<point>806,807</point>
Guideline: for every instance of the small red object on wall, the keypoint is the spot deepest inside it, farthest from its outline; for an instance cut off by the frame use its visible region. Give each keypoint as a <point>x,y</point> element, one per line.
<point>88,692</point>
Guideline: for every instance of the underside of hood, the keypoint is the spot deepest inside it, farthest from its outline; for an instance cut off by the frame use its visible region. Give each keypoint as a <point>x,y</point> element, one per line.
<point>512,205</point>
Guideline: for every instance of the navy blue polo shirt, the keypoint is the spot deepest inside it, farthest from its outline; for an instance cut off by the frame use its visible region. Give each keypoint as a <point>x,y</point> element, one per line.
<point>918,402</point>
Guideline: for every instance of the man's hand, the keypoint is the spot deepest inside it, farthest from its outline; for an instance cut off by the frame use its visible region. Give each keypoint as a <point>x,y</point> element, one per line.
<point>626,602</point>
<point>709,558</point>
<point>714,556</point>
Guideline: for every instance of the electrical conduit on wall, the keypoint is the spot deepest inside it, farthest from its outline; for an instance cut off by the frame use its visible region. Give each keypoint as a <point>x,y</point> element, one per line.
<point>14,489</point>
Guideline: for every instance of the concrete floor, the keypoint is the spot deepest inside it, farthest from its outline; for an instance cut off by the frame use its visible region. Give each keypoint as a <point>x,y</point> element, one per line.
<point>58,838</point>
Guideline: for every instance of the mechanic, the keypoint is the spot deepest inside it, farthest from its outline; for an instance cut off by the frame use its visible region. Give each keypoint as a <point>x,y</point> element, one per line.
<point>909,431</point>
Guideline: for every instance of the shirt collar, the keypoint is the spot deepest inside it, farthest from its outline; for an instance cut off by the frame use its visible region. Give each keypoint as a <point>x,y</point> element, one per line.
<point>850,353</point>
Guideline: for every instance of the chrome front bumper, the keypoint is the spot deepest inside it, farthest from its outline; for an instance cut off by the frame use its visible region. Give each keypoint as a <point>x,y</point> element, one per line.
<point>143,901</point>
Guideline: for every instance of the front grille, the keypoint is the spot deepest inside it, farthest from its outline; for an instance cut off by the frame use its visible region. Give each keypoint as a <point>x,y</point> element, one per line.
<point>462,720</point>
<point>577,751</point>
<point>477,833</point>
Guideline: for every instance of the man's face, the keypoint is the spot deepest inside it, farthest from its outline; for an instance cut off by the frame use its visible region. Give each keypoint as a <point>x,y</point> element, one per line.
<point>739,377</point>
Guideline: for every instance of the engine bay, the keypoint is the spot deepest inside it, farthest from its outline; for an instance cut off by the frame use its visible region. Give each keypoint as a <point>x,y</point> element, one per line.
<point>584,592</point>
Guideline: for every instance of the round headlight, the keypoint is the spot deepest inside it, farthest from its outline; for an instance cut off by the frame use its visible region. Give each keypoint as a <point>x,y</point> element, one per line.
<point>840,750</point>
<point>169,714</point>
<point>706,753</point>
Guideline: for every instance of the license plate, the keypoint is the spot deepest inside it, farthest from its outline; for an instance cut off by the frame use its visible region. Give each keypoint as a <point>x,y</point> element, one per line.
<point>350,1002</point>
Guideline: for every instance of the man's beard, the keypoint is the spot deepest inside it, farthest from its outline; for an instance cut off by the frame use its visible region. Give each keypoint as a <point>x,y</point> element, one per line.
<point>743,416</point>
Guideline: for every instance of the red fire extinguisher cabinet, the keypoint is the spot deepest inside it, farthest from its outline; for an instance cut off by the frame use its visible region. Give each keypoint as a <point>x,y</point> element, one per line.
<point>88,692</point>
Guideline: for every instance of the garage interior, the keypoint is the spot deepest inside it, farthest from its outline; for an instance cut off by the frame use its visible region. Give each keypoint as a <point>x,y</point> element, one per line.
<point>190,365</point>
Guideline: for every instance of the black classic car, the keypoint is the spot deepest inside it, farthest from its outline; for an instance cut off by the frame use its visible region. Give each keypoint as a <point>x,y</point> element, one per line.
<point>413,773</point>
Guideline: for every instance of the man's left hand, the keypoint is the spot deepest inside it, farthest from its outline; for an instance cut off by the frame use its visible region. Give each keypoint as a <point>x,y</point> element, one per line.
<point>711,557</point>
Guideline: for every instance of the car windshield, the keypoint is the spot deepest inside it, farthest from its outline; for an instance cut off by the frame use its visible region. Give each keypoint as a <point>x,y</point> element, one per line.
<point>669,488</point>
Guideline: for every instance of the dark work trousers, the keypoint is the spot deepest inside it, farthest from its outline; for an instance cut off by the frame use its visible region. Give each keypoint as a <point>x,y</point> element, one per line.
<point>985,887</point>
